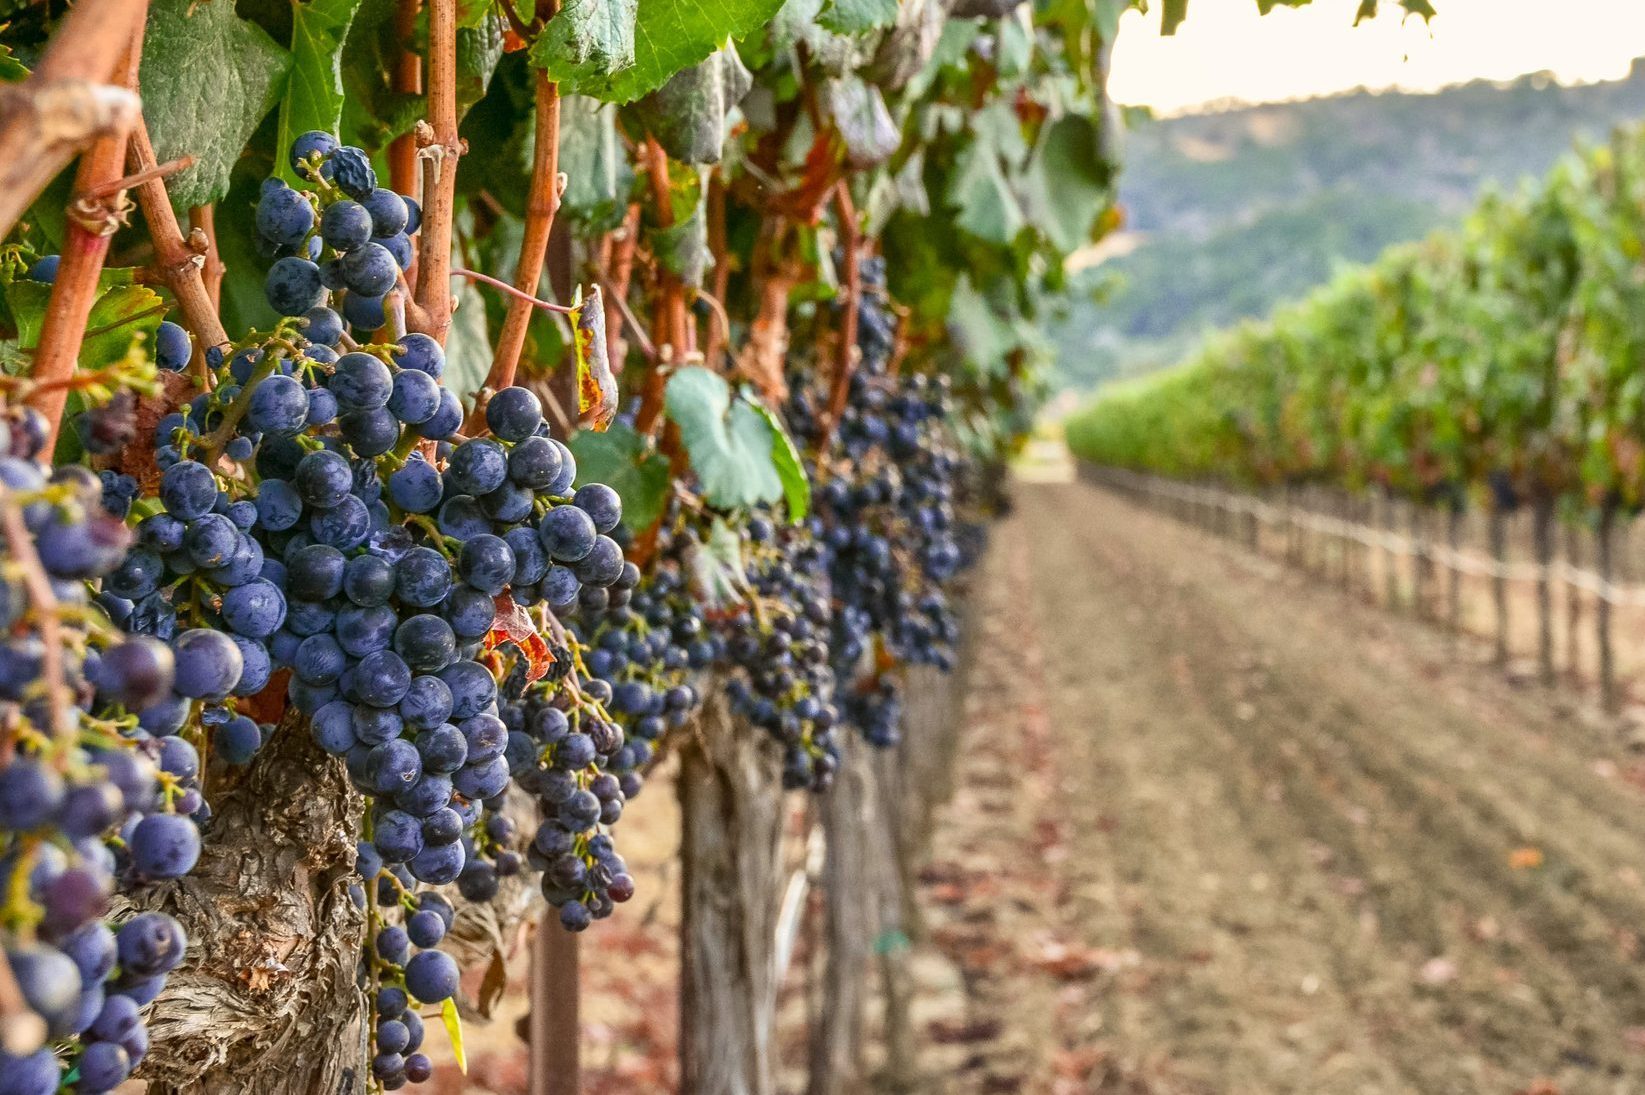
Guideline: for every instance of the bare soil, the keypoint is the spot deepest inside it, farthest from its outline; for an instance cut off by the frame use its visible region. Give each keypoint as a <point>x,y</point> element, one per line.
<point>1220,829</point>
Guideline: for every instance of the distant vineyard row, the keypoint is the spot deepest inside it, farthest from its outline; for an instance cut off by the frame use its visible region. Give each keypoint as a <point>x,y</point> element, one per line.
<point>1499,359</point>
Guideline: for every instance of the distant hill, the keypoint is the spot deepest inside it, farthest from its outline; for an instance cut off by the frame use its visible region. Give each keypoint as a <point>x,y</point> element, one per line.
<point>1232,212</point>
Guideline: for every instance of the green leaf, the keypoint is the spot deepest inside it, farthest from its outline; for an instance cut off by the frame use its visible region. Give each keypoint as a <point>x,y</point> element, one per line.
<point>11,69</point>
<point>454,1030</point>
<point>314,91</point>
<point>479,48</point>
<point>124,316</point>
<point>730,443</point>
<point>597,173</point>
<point>981,193</point>
<point>858,111</point>
<point>689,115</point>
<point>208,77</point>
<point>857,16</point>
<point>978,331</point>
<point>1068,181</point>
<point>796,484</point>
<point>587,43</point>
<point>621,459</point>
<point>666,37</point>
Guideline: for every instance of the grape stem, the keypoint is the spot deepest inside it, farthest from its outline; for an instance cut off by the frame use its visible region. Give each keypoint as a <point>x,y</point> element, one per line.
<point>66,103</point>
<point>846,354</point>
<point>629,320</point>
<point>542,201</point>
<point>617,254</point>
<point>213,442</point>
<point>517,294</point>
<point>202,221</point>
<point>43,602</point>
<point>669,325</point>
<point>126,182</point>
<point>179,264</point>
<point>94,215</point>
<point>441,147</point>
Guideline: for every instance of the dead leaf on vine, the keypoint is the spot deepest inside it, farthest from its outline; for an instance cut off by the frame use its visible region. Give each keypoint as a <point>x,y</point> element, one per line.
<point>513,625</point>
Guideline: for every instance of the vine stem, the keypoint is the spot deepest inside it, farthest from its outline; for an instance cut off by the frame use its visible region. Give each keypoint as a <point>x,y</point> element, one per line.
<point>443,147</point>
<point>408,80</point>
<point>202,219</point>
<point>620,262</point>
<point>95,214</point>
<point>668,326</point>
<point>519,295</point>
<point>43,603</point>
<point>179,265</point>
<point>65,103</point>
<point>542,201</point>
<point>629,320</point>
<point>846,355</point>
<point>718,337</point>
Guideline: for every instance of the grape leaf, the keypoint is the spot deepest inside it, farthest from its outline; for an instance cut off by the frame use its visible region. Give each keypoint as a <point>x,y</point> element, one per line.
<point>120,318</point>
<point>730,443</point>
<point>314,92</point>
<point>587,42</point>
<point>596,386</point>
<point>663,37</point>
<point>796,484</point>
<point>857,16</point>
<point>1067,183</point>
<point>618,458</point>
<point>208,78</point>
<point>454,1030</point>
<point>689,115</point>
<point>597,173</point>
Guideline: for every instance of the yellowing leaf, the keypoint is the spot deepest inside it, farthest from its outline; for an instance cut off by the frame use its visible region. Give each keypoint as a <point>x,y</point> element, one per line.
<point>596,387</point>
<point>454,1030</point>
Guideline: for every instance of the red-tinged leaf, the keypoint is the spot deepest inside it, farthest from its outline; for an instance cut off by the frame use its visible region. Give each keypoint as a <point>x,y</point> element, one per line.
<point>512,625</point>
<point>596,386</point>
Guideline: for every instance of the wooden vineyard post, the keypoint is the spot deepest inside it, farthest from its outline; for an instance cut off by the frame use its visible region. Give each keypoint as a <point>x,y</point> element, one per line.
<point>1453,575</point>
<point>1498,533</point>
<point>851,819</point>
<point>1573,603</point>
<point>1422,564</point>
<point>1542,539</point>
<point>731,821</point>
<point>1390,552</point>
<point>1604,549</point>
<point>556,1027</point>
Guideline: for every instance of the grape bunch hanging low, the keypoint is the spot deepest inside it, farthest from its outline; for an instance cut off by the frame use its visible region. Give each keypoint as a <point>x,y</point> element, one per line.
<point>885,519</point>
<point>89,801</point>
<point>319,526</point>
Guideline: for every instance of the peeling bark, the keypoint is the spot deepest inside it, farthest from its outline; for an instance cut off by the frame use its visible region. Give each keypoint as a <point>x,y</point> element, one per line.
<point>731,809</point>
<point>268,1001</point>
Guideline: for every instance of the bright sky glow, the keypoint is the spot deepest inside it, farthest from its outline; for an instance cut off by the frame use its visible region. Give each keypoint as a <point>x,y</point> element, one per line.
<point>1226,50</point>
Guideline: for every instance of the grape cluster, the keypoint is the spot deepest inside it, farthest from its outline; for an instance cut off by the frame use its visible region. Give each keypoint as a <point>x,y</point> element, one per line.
<point>321,526</point>
<point>884,514</point>
<point>345,235</point>
<point>778,650</point>
<point>88,799</point>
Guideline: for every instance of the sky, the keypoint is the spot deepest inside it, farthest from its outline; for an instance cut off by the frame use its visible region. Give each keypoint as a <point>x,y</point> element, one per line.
<point>1226,50</point>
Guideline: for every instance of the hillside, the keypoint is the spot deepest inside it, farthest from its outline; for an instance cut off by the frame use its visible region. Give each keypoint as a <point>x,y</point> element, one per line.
<point>1234,211</point>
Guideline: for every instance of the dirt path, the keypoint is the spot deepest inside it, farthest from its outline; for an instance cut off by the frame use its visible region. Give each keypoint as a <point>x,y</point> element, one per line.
<point>1222,831</point>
